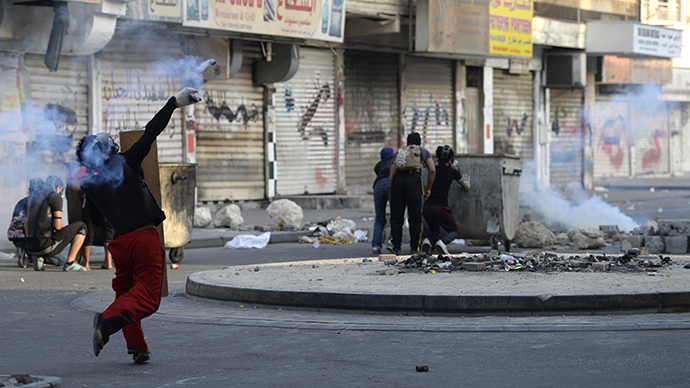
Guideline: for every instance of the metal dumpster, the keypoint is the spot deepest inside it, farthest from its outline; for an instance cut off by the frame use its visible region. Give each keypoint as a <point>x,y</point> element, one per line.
<point>489,211</point>
<point>178,184</point>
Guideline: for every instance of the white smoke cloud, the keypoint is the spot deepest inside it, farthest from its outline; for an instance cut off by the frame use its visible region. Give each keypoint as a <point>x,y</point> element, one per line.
<point>582,211</point>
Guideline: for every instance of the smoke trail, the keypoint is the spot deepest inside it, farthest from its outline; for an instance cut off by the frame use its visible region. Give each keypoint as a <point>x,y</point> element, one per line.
<point>585,212</point>
<point>189,70</point>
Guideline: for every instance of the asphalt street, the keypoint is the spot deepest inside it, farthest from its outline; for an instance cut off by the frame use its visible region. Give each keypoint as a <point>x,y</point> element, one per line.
<point>46,330</point>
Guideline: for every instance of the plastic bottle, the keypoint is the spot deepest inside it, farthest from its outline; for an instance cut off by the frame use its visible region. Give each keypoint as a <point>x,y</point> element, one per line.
<point>505,257</point>
<point>316,244</point>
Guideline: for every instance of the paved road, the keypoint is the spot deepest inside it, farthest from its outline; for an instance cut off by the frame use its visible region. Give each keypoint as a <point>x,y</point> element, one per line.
<point>221,345</point>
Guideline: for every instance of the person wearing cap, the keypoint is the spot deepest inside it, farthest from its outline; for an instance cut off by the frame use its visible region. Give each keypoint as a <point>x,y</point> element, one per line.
<point>115,190</point>
<point>382,188</point>
<point>437,213</point>
<point>46,236</point>
<point>408,191</point>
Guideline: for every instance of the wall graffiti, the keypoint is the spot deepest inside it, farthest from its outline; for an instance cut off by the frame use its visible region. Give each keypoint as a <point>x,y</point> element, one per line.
<point>652,155</point>
<point>515,126</point>
<point>364,118</point>
<point>241,113</point>
<point>321,96</point>
<point>612,140</point>
<point>289,99</point>
<point>140,87</point>
<point>435,114</point>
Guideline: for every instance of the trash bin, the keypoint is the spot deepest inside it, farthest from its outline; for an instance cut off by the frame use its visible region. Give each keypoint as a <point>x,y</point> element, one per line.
<point>178,184</point>
<point>489,211</point>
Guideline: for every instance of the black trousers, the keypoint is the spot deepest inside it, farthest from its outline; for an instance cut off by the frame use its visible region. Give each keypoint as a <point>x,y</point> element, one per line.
<point>407,191</point>
<point>437,217</point>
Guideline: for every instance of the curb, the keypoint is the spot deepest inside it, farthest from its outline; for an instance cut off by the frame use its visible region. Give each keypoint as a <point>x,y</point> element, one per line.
<point>474,305</point>
<point>276,238</point>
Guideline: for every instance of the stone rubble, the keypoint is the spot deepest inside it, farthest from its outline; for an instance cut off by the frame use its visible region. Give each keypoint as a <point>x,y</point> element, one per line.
<point>536,261</point>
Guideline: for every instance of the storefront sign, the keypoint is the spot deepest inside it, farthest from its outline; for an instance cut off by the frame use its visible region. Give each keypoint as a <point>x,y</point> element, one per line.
<point>617,70</point>
<point>453,26</point>
<point>519,66</point>
<point>168,10</point>
<point>658,41</point>
<point>306,19</point>
<point>510,27</point>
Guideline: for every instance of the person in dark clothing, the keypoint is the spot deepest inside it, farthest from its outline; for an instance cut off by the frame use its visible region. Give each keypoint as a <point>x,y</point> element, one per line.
<point>18,237</point>
<point>382,188</point>
<point>45,234</point>
<point>437,213</point>
<point>115,190</point>
<point>408,191</point>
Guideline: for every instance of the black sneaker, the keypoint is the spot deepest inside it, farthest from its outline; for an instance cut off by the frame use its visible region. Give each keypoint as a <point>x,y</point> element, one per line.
<point>393,250</point>
<point>140,357</point>
<point>97,336</point>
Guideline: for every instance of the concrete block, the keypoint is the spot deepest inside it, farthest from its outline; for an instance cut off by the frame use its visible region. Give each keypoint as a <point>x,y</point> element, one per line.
<point>630,242</point>
<point>674,227</point>
<point>676,244</point>
<point>579,264</point>
<point>651,260</point>
<point>655,244</point>
<point>601,266</point>
<point>385,257</point>
<point>472,266</point>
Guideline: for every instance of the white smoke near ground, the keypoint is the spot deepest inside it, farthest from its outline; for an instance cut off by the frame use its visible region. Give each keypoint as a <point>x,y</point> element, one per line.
<point>581,211</point>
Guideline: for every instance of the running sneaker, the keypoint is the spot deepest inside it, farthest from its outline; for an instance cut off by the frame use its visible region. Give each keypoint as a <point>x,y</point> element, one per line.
<point>97,336</point>
<point>140,357</point>
<point>74,266</point>
<point>38,264</point>
<point>426,246</point>
<point>441,248</point>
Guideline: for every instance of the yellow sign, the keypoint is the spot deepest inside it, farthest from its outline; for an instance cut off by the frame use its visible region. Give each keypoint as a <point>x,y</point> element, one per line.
<point>306,19</point>
<point>510,27</point>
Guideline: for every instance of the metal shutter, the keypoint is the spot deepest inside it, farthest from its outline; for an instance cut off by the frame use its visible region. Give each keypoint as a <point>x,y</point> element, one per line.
<point>230,138</point>
<point>567,146</point>
<point>371,114</point>
<point>611,137</point>
<point>428,101</point>
<point>305,122</point>
<point>65,89</point>
<point>132,93</point>
<point>513,114</point>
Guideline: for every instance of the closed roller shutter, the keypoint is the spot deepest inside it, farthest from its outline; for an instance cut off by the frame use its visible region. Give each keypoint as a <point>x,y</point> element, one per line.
<point>611,137</point>
<point>65,90</point>
<point>650,125</point>
<point>133,89</point>
<point>428,101</point>
<point>305,122</point>
<point>566,145</point>
<point>513,114</point>
<point>230,138</point>
<point>371,114</point>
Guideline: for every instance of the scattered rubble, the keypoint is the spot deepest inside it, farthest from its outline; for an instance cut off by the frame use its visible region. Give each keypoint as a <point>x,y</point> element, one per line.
<point>532,234</point>
<point>535,261</point>
<point>338,231</point>
<point>664,236</point>
<point>285,213</point>
<point>202,217</point>
<point>229,216</point>
<point>587,238</point>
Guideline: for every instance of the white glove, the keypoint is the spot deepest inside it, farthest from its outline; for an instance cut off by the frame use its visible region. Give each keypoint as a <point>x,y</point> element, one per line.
<point>187,96</point>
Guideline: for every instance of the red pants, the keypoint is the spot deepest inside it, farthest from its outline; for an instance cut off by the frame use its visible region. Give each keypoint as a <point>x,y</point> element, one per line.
<point>139,262</point>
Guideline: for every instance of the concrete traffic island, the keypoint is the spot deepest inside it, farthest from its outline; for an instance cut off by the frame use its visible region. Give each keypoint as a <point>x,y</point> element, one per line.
<point>373,286</point>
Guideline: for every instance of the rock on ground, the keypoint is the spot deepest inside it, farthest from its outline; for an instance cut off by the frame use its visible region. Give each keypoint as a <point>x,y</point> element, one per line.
<point>229,216</point>
<point>285,213</point>
<point>532,234</point>
<point>202,217</point>
<point>585,238</point>
<point>649,228</point>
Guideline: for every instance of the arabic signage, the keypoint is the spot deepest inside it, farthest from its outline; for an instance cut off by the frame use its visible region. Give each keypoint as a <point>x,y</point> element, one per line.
<point>453,26</point>
<point>658,41</point>
<point>510,27</point>
<point>167,10</point>
<point>306,19</point>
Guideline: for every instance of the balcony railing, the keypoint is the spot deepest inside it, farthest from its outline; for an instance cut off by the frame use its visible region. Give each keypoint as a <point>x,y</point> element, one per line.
<point>658,12</point>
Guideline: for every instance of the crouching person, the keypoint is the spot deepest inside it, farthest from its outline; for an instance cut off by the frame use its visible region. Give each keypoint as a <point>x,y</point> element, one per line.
<point>45,235</point>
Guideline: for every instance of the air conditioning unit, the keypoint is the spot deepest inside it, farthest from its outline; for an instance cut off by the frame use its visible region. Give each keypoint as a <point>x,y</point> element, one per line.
<point>565,70</point>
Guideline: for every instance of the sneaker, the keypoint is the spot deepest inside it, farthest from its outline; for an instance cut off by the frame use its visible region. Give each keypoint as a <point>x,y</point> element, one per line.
<point>38,264</point>
<point>376,251</point>
<point>97,336</point>
<point>140,357</point>
<point>73,267</point>
<point>393,250</point>
<point>426,246</point>
<point>441,248</point>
